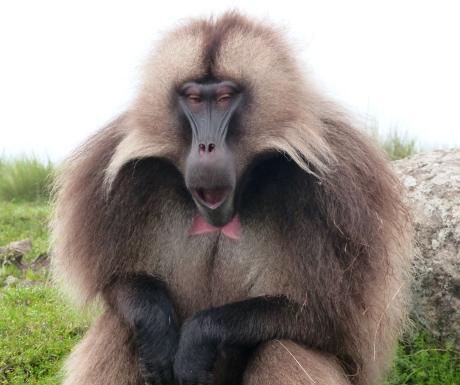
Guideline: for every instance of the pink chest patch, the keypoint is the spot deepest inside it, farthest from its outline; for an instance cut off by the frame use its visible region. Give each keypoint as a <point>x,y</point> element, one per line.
<point>231,229</point>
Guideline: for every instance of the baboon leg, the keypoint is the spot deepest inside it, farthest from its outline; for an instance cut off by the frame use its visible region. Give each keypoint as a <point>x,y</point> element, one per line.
<point>285,362</point>
<point>106,356</point>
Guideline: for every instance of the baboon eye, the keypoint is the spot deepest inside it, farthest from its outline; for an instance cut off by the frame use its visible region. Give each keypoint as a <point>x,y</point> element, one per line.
<point>224,99</point>
<point>194,99</point>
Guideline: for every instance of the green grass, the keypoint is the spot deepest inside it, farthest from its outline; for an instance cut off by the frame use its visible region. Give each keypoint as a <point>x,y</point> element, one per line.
<point>20,221</point>
<point>37,330</point>
<point>25,220</point>
<point>398,146</point>
<point>37,326</point>
<point>421,360</point>
<point>24,178</point>
<point>396,143</point>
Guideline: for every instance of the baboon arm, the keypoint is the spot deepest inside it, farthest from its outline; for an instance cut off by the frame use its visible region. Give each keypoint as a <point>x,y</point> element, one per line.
<point>244,324</point>
<point>143,302</point>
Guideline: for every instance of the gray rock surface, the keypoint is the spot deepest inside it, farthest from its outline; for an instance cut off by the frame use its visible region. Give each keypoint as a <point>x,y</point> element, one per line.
<point>433,183</point>
<point>19,247</point>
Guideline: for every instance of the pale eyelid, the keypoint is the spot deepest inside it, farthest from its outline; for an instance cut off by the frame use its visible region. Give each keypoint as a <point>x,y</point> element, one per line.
<point>225,98</point>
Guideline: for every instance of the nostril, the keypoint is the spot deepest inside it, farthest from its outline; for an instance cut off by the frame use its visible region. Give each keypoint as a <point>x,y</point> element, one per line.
<point>202,149</point>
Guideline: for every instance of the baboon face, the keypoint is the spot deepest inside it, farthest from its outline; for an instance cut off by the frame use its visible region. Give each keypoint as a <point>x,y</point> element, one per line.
<point>210,112</point>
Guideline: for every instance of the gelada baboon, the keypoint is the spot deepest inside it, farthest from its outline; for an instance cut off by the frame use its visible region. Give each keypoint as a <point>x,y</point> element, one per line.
<point>233,223</point>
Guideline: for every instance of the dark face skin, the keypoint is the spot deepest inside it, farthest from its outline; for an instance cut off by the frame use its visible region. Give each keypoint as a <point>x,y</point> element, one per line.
<point>210,173</point>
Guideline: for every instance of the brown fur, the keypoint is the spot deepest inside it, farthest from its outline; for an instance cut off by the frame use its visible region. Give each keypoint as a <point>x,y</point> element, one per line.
<point>290,363</point>
<point>122,207</point>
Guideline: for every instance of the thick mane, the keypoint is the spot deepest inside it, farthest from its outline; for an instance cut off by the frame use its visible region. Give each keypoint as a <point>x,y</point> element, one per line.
<point>325,235</point>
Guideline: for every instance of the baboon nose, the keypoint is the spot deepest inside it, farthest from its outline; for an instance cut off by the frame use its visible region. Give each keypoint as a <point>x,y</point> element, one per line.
<point>210,148</point>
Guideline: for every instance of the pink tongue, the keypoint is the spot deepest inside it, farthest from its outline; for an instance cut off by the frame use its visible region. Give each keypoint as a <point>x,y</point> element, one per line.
<point>231,229</point>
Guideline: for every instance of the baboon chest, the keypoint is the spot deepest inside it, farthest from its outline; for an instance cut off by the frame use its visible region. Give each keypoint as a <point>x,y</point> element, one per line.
<point>212,269</point>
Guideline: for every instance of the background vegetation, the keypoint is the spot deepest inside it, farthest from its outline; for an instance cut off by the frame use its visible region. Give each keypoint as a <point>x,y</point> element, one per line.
<point>38,328</point>
<point>25,179</point>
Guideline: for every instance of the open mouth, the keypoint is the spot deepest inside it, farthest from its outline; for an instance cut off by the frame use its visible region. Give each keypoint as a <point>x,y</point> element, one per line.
<point>211,198</point>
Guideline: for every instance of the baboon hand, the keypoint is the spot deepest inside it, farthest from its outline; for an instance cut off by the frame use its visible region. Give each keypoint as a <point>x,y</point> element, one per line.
<point>159,369</point>
<point>157,373</point>
<point>198,349</point>
<point>156,355</point>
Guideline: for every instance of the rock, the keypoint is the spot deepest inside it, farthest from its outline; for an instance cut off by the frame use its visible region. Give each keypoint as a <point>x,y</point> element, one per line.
<point>433,183</point>
<point>18,247</point>
<point>41,263</point>
<point>24,246</point>
<point>14,251</point>
<point>28,283</point>
<point>10,280</point>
